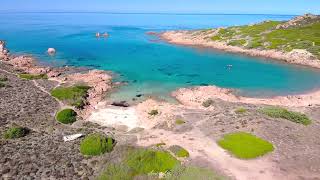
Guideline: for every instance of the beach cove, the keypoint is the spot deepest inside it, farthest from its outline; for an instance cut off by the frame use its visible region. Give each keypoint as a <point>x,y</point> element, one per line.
<point>203,115</point>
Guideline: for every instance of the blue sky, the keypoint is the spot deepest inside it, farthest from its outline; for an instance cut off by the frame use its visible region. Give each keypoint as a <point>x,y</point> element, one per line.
<point>167,6</point>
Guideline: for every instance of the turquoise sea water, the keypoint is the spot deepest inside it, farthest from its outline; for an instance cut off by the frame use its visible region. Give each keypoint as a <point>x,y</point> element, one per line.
<point>148,65</point>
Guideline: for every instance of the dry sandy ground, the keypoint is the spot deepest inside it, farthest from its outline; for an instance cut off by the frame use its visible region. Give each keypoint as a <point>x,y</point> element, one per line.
<point>297,150</point>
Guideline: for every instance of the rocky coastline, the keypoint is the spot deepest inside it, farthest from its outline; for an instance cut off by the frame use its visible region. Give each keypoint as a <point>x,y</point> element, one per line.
<point>44,155</point>
<point>196,39</point>
<point>99,81</point>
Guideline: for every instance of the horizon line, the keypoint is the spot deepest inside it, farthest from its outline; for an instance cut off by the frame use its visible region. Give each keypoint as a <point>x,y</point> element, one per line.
<point>159,13</point>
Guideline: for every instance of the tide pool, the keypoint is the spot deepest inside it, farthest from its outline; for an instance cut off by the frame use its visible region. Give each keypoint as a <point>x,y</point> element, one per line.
<point>150,66</point>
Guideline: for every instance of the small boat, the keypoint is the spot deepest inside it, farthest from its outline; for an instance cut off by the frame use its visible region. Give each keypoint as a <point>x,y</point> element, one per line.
<point>97,34</point>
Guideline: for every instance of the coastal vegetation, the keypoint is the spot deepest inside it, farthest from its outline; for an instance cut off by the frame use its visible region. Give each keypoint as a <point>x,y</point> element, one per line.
<point>245,145</point>
<point>66,116</point>
<point>160,144</point>
<point>192,173</point>
<point>179,151</point>
<point>116,172</point>
<point>153,112</point>
<point>179,122</point>
<point>144,161</point>
<point>278,112</point>
<point>96,144</point>
<point>3,79</point>
<point>73,95</point>
<point>15,132</point>
<point>241,110</point>
<point>207,103</point>
<point>302,34</point>
<point>33,76</point>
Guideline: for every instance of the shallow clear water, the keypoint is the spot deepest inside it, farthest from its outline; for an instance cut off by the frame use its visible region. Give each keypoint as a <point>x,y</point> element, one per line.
<point>150,66</point>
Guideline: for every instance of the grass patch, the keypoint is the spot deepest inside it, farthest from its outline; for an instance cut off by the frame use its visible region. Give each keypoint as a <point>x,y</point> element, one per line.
<point>15,132</point>
<point>33,76</point>
<point>180,122</point>
<point>116,172</point>
<point>179,151</point>
<point>207,103</point>
<point>277,112</point>
<point>96,144</point>
<point>66,116</point>
<point>241,110</point>
<point>74,95</point>
<point>192,173</point>
<point>244,145</point>
<point>153,112</point>
<point>144,161</point>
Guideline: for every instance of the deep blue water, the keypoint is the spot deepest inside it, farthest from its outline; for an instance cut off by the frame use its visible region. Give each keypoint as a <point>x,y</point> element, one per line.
<point>151,66</point>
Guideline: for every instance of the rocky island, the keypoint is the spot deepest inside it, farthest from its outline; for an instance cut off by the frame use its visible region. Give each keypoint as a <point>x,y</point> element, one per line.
<point>55,122</point>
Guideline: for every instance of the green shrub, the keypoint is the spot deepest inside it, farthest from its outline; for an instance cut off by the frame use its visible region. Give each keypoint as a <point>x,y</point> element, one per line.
<point>33,76</point>
<point>74,95</point>
<point>160,144</point>
<point>192,173</point>
<point>2,85</point>
<point>241,110</point>
<point>153,112</point>
<point>180,121</point>
<point>116,172</point>
<point>207,103</point>
<point>244,145</point>
<point>144,161</point>
<point>3,78</point>
<point>15,132</point>
<point>179,151</point>
<point>277,112</point>
<point>66,116</point>
<point>96,144</point>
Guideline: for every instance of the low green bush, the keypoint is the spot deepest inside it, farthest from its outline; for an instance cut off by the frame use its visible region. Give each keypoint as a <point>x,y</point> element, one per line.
<point>245,145</point>
<point>15,132</point>
<point>180,122</point>
<point>153,112</point>
<point>277,112</point>
<point>241,110</point>
<point>96,144</point>
<point>66,116</point>
<point>73,95</point>
<point>33,76</point>
<point>179,151</point>
<point>144,161</point>
<point>207,103</point>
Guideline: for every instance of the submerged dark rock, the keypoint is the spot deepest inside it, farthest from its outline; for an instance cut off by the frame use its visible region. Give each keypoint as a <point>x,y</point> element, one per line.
<point>121,104</point>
